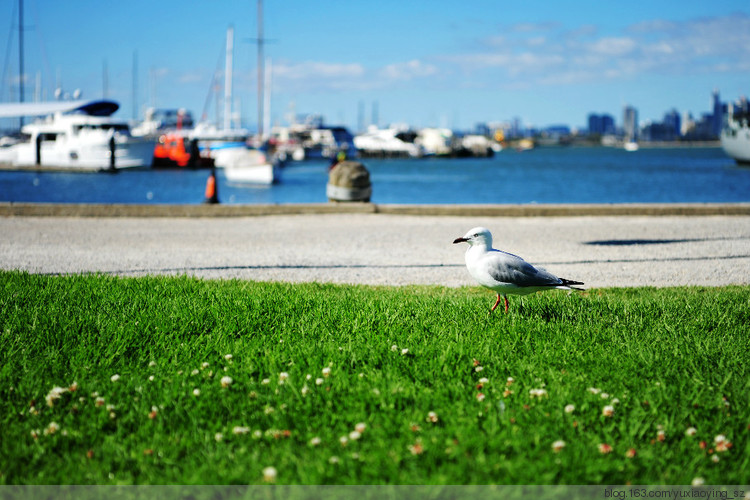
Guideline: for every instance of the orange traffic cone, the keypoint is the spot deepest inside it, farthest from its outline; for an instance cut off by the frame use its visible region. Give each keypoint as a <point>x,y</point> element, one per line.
<point>212,195</point>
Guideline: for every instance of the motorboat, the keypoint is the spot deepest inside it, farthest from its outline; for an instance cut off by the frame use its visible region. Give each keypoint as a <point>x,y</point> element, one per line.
<point>735,136</point>
<point>81,135</point>
<point>248,166</point>
<point>312,140</point>
<point>390,143</point>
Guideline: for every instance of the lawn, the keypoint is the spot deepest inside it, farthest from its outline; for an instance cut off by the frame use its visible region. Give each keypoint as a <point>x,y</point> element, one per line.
<point>161,380</point>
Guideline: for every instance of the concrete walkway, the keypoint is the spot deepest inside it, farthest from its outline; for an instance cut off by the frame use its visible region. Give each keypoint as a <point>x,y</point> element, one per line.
<point>383,249</point>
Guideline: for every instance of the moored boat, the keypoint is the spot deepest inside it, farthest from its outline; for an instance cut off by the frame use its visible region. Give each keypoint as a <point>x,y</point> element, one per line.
<point>84,137</point>
<point>735,135</point>
<point>248,166</point>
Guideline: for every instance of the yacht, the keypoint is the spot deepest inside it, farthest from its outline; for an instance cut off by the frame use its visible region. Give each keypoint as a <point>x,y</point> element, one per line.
<point>80,136</point>
<point>393,142</point>
<point>735,136</point>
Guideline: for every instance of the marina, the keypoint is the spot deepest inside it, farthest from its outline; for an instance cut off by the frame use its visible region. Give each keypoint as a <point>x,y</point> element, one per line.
<point>542,176</point>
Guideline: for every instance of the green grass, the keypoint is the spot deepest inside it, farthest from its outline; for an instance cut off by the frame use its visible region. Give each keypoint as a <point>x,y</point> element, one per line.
<point>668,359</point>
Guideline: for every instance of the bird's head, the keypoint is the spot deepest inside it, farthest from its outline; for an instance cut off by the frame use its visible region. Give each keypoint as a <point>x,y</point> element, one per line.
<point>477,236</point>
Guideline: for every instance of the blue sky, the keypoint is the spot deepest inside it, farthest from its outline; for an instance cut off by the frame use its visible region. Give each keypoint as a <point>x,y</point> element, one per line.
<point>436,63</point>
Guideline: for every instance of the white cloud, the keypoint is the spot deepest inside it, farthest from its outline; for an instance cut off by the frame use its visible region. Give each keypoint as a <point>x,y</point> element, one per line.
<point>548,54</point>
<point>408,70</point>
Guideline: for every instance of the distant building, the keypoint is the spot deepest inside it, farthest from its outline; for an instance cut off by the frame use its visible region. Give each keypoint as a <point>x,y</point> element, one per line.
<point>717,118</point>
<point>630,123</point>
<point>601,124</point>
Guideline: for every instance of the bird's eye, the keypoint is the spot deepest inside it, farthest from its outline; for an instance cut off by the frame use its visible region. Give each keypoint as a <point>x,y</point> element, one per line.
<point>476,236</point>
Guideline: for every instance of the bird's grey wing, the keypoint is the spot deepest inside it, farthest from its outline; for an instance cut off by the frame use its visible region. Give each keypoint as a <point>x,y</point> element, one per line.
<point>508,268</point>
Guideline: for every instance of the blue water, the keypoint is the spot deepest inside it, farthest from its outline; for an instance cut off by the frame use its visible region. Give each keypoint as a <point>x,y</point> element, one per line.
<point>554,175</point>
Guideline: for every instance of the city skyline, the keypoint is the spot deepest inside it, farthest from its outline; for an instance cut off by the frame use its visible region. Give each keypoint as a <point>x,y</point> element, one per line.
<point>436,64</point>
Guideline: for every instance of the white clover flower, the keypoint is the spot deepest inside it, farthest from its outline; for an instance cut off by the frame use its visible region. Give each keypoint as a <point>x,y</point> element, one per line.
<point>195,372</point>
<point>432,417</point>
<point>196,392</point>
<point>570,408</point>
<point>355,435</point>
<point>228,357</point>
<point>394,348</point>
<point>54,395</point>
<point>333,460</point>
<point>269,474</point>
<point>404,351</point>
<point>326,371</point>
<point>226,381</point>
<point>204,365</point>
<point>698,481</point>
<point>304,390</point>
<point>238,430</point>
<point>604,395</point>
<point>484,380</point>
<point>257,434</point>
<point>52,428</point>
<point>151,378</point>
<point>594,390</point>
<point>265,381</point>
<point>283,377</point>
<point>538,393</point>
<point>219,437</point>
<point>114,378</point>
<point>308,377</point>
<point>608,411</point>
<point>99,401</point>
<point>480,397</point>
<point>360,427</point>
<point>478,369</point>
<point>315,441</point>
<point>557,446</point>
<point>343,440</point>
<point>691,431</point>
<point>152,363</point>
<point>318,381</point>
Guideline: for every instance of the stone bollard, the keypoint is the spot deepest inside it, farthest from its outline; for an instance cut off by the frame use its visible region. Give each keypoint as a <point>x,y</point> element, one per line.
<point>349,181</point>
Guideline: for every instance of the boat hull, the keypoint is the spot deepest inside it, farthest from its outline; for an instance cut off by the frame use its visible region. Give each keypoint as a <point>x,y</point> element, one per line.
<point>129,153</point>
<point>736,143</point>
<point>247,166</point>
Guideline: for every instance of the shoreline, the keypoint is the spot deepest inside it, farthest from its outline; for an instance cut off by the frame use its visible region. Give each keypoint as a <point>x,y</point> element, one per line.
<point>24,209</point>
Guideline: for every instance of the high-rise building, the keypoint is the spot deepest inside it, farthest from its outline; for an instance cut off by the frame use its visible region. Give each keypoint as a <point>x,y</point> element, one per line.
<point>601,124</point>
<point>672,125</point>
<point>717,120</point>
<point>630,122</point>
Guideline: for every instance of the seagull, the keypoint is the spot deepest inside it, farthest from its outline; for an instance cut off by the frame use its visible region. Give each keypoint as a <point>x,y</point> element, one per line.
<point>504,272</point>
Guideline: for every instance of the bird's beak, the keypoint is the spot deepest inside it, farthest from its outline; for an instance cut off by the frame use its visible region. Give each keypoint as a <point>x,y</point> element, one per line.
<point>459,240</point>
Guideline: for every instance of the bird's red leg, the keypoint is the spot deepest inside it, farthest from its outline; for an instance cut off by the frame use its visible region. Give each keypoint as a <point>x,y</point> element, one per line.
<point>497,302</point>
<point>506,301</point>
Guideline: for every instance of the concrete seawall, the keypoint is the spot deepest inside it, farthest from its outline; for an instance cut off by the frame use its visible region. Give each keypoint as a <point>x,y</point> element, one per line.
<point>568,210</point>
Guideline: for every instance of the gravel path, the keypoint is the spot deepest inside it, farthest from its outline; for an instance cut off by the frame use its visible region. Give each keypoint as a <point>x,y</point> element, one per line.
<point>617,251</point>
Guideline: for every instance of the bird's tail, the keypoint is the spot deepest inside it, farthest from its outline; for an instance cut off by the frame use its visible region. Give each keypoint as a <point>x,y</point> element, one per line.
<point>569,284</point>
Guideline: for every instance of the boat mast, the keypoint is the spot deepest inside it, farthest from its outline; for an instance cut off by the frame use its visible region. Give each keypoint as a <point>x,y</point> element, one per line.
<point>20,57</point>
<point>260,70</point>
<point>228,80</point>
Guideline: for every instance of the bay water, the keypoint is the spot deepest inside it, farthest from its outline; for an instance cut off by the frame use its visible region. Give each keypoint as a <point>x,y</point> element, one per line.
<point>543,175</point>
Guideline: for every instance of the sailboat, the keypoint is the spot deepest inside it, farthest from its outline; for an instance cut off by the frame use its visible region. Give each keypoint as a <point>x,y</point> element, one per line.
<point>244,165</point>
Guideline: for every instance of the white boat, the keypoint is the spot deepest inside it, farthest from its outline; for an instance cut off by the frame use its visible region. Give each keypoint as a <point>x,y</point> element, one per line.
<point>248,166</point>
<point>387,143</point>
<point>735,136</point>
<point>83,137</point>
<point>630,146</point>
